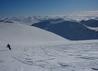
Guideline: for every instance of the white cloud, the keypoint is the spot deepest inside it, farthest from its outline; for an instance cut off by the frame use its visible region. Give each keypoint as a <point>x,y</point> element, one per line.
<point>85,13</point>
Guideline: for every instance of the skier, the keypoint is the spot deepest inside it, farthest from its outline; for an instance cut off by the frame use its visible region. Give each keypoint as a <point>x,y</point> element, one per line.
<point>8,46</point>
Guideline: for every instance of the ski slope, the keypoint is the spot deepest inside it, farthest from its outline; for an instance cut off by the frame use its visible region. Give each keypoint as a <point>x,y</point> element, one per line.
<point>34,49</point>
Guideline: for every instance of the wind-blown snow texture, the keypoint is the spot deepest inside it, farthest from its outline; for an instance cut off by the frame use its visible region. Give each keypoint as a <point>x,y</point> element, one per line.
<point>66,57</point>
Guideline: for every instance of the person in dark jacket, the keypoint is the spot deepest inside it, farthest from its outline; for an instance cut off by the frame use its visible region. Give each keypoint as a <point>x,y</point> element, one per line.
<point>8,46</point>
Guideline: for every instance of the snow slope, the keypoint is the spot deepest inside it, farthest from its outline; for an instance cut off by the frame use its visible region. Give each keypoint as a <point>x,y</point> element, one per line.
<point>22,34</point>
<point>21,38</point>
<point>34,49</point>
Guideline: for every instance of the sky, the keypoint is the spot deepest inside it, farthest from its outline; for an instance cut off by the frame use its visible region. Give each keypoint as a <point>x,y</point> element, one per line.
<point>45,7</point>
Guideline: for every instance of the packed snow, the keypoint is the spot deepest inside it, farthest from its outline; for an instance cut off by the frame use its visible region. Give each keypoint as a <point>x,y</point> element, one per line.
<point>34,49</point>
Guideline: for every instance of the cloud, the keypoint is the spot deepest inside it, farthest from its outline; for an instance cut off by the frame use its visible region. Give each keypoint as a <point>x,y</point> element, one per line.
<point>86,13</point>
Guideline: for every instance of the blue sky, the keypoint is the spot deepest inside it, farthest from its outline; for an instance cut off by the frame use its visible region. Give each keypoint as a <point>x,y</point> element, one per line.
<point>45,7</point>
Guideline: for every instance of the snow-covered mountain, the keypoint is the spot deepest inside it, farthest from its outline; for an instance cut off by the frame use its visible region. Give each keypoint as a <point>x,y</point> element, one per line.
<point>22,20</point>
<point>69,27</point>
<point>35,19</point>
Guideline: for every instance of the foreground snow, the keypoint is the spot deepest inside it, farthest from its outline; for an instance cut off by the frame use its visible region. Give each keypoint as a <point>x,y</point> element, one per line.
<point>67,57</point>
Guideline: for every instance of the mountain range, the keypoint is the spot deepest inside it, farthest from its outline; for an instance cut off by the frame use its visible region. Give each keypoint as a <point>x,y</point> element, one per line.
<point>83,28</point>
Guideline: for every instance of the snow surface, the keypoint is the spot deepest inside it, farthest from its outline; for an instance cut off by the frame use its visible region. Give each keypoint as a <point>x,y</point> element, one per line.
<point>34,49</point>
<point>67,57</point>
<point>92,28</point>
<point>14,33</point>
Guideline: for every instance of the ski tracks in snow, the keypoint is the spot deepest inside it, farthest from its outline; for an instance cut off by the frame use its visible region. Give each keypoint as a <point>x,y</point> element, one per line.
<point>59,58</point>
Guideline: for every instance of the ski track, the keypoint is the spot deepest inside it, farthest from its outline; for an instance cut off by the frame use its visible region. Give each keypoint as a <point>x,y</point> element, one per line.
<point>75,57</point>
